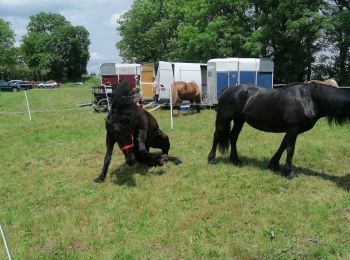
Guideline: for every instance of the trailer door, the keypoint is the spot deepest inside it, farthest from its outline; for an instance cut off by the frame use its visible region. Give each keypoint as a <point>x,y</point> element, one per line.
<point>165,77</point>
<point>147,74</point>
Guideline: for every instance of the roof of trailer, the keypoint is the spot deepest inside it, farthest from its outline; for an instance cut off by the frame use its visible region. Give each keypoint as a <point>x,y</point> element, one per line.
<point>235,59</point>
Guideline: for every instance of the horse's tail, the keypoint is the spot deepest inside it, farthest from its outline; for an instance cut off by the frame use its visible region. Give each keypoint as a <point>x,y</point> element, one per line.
<point>222,130</point>
<point>227,107</point>
<point>198,98</point>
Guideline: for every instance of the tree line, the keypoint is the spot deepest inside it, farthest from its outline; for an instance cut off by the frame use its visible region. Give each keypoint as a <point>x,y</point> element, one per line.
<point>305,38</point>
<point>52,49</point>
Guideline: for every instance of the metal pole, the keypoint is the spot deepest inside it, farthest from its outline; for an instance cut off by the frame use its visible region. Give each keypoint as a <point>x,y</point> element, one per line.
<point>30,116</point>
<point>118,74</point>
<point>5,243</point>
<point>256,72</point>
<point>107,98</point>
<point>171,107</point>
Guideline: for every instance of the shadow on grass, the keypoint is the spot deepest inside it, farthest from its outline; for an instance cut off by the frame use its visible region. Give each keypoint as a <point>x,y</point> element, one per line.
<point>124,174</point>
<point>341,181</point>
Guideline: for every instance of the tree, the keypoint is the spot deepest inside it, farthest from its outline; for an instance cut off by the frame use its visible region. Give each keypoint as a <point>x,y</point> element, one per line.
<point>53,48</point>
<point>7,48</point>
<point>147,30</point>
<point>288,32</point>
<point>212,29</point>
<point>291,32</point>
<point>339,37</point>
<point>192,30</point>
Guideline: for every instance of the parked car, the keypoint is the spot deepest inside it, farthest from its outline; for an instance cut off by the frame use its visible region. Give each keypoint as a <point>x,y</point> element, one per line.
<point>23,84</point>
<point>6,86</point>
<point>48,84</point>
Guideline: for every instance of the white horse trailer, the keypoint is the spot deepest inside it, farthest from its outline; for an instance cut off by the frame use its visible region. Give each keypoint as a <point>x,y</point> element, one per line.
<point>168,72</point>
<point>229,72</point>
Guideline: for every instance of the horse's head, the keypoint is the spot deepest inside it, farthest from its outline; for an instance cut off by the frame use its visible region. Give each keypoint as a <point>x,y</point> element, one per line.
<point>119,126</point>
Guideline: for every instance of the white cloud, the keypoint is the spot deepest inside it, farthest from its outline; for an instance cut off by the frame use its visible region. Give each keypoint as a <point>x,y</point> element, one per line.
<point>96,56</point>
<point>113,20</point>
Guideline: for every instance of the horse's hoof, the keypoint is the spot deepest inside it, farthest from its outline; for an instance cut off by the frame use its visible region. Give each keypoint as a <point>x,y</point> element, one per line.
<point>212,161</point>
<point>99,180</point>
<point>236,162</point>
<point>290,176</point>
<point>161,162</point>
<point>177,161</point>
<point>274,167</point>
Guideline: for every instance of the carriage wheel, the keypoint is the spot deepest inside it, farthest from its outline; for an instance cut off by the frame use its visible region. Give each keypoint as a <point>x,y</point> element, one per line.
<point>102,105</point>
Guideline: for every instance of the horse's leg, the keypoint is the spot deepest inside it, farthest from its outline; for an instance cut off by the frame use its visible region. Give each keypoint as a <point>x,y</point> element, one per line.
<point>173,159</point>
<point>274,162</point>
<point>179,103</point>
<point>198,104</point>
<point>143,155</point>
<point>110,141</point>
<point>291,138</point>
<point>163,141</point>
<point>236,129</point>
<point>141,138</point>
<point>212,154</point>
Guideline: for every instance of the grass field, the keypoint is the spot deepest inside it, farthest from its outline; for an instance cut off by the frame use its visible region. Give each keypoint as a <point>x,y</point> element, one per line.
<point>51,209</point>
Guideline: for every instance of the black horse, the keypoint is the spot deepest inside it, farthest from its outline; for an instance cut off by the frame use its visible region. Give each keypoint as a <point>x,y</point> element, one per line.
<point>135,130</point>
<point>292,109</point>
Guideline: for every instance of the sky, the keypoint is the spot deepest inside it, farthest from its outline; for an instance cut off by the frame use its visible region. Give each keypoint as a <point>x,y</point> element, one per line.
<point>99,17</point>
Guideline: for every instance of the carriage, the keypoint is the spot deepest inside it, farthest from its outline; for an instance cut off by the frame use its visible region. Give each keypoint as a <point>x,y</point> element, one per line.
<point>101,98</point>
<point>137,75</point>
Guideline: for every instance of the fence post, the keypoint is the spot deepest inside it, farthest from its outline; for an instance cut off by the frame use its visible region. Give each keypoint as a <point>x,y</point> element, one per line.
<point>30,116</point>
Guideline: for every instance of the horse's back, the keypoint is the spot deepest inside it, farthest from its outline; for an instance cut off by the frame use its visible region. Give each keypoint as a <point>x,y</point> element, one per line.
<point>178,84</point>
<point>231,93</point>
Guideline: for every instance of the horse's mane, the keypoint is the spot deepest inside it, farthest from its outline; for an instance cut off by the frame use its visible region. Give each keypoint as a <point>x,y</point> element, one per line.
<point>337,99</point>
<point>293,84</point>
<point>121,95</point>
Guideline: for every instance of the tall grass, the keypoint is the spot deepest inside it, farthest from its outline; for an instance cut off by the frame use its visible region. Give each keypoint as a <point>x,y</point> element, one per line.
<point>50,207</point>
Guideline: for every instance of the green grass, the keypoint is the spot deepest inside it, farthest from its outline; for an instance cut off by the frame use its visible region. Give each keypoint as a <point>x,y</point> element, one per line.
<point>51,209</point>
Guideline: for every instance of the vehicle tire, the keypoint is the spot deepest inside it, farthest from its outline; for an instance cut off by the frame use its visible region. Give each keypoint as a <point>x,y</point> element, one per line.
<point>14,89</point>
<point>102,105</point>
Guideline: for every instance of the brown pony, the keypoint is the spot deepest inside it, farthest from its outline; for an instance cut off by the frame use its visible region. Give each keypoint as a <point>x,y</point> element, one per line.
<point>328,82</point>
<point>186,91</point>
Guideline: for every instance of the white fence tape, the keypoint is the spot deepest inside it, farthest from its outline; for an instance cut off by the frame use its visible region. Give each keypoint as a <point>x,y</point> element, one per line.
<point>43,111</point>
<point>5,243</point>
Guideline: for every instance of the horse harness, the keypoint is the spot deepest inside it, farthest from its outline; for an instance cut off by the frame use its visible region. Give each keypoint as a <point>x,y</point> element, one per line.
<point>126,147</point>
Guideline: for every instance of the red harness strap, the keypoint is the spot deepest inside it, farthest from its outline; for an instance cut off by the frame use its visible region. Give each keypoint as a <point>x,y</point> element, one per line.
<point>129,145</point>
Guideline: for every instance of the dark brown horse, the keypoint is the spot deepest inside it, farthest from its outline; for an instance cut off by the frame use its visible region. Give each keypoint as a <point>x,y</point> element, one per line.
<point>186,91</point>
<point>135,131</point>
<point>292,109</point>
